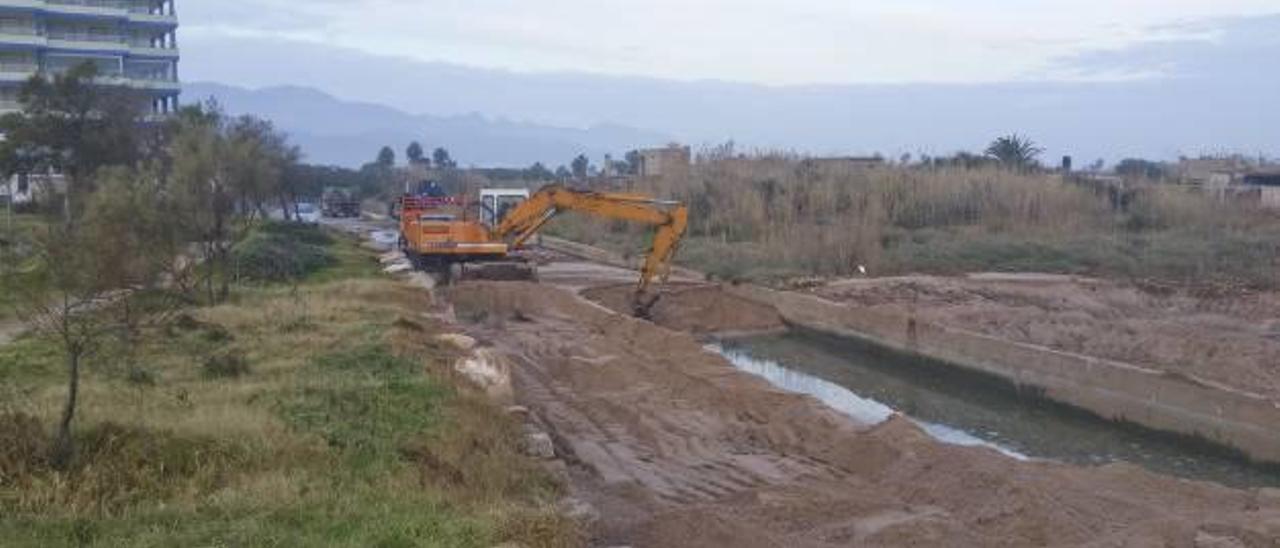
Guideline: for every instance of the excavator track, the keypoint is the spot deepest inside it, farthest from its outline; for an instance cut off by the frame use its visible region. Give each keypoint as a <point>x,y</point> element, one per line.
<point>495,271</point>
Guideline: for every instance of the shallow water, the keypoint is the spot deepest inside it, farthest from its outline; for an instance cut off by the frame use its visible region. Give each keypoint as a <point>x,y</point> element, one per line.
<point>955,406</point>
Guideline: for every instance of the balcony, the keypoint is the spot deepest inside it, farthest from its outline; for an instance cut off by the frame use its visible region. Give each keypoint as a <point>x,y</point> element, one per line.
<point>22,35</point>
<point>145,17</point>
<point>108,43</point>
<point>149,51</point>
<point>17,71</point>
<point>96,8</point>
<point>114,9</point>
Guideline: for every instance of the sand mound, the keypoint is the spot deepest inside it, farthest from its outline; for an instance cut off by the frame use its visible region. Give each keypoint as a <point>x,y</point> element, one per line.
<point>695,308</point>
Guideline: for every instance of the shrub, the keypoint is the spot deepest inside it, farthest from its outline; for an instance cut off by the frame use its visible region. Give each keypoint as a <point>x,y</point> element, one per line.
<point>281,252</point>
<point>227,365</point>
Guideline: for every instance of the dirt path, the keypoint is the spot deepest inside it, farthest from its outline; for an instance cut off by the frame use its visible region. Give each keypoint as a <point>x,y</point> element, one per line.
<point>674,447</point>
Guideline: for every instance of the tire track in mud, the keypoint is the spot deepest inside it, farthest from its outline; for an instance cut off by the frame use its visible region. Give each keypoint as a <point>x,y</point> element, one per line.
<point>674,447</point>
<point>622,439</point>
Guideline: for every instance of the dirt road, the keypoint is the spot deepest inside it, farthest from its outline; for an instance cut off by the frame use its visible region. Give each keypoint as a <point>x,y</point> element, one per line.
<point>674,447</point>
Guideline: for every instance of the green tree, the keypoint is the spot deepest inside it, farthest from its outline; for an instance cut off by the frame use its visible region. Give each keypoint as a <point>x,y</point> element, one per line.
<point>71,125</point>
<point>442,159</point>
<point>224,173</point>
<point>1014,151</point>
<point>563,173</point>
<point>386,157</point>
<point>416,155</point>
<point>580,166</point>
<point>204,195</point>
<point>539,172</point>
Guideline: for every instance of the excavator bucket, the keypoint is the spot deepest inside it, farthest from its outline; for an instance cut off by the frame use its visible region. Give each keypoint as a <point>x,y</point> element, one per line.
<point>642,303</point>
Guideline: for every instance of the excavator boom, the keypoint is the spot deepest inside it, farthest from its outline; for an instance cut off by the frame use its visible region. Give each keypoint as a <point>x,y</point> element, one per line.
<point>671,219</point>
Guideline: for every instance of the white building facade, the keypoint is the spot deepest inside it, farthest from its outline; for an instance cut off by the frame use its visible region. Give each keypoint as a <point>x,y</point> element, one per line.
<point>132,42</point>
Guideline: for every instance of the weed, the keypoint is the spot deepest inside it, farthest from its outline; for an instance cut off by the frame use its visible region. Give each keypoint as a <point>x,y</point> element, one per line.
<point>140,377</point>
<point>115,467</point>
<point>226,365</point>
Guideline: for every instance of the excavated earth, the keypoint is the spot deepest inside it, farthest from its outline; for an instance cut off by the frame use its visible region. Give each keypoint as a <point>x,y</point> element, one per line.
<point>672,446</point>
<point>700,309</point>
<point>1229,337</point>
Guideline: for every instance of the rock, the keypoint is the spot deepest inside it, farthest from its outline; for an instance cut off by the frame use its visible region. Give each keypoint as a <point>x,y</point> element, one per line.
<point>462,342</point>
<point>579,510</point>
<point>397,268</point>
<point>539,445</point>
<point>488,370</point>
<point>1208,540</point>
<point>422,279</point>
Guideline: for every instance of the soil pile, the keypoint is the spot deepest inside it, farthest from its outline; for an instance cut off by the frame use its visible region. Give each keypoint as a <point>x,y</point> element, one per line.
<point>695,308</point>
<point>1232,338</point>
<point>674,447</point>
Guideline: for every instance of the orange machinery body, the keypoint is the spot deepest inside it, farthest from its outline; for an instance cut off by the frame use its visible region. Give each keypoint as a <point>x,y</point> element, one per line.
<point>437,232</point>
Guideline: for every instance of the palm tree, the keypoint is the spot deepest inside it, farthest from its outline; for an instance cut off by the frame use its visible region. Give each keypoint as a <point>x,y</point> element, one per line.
<point>1014,151</point>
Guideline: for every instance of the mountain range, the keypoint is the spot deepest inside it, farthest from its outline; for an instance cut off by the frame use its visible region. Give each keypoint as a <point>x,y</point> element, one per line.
<point>350,133</point>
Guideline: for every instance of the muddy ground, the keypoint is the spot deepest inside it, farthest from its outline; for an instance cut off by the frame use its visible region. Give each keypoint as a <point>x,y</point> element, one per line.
<point>1231,338</point>
<point>672,446</point>
<point>700,309</point>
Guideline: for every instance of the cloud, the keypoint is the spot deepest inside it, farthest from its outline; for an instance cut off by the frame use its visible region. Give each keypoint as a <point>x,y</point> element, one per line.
<point>761,41</point>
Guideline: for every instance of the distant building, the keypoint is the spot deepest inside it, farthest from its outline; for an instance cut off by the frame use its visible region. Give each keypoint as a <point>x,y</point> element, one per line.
<point>26,189</point>
<point>1266,182</point>
<point>16,190</point>
<point>1212,172</point>
<point>132,42</point>
<point>656,162</point>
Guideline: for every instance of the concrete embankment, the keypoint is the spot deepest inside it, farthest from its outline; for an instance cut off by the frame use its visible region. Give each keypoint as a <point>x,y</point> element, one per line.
<point>1154,399</point>
<point>1114,390</point>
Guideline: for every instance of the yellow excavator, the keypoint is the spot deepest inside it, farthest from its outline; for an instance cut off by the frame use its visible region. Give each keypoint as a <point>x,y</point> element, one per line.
<point>459,241</point>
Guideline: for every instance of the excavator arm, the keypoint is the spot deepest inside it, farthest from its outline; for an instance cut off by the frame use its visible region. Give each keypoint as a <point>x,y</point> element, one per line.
<point>671,219</point>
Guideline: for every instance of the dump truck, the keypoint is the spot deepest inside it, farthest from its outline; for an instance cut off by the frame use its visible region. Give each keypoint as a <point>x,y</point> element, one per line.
<point>338,204</point>
<point>457,240</point>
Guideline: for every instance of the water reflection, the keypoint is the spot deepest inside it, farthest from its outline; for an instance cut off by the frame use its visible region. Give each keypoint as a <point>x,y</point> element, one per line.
<point>958,407</point>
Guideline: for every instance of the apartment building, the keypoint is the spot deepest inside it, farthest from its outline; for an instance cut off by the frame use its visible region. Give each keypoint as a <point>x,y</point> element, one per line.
<point>133,43</point>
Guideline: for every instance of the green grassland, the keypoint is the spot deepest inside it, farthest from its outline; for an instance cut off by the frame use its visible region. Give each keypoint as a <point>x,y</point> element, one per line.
<point>298,414</point>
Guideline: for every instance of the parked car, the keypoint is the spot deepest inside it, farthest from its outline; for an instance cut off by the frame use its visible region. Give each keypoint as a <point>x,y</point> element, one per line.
<point>308,213</point>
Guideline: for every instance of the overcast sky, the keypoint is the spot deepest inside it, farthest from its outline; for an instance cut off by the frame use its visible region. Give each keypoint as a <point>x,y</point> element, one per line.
<point>758,41</point>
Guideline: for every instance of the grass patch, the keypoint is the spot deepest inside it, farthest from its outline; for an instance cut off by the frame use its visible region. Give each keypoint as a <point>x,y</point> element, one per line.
<point>280,252</point>
<point>227,365</point>
<point>349,429</point>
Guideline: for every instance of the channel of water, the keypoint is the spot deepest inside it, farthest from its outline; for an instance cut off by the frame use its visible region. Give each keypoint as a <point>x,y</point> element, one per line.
<point>964,408</point>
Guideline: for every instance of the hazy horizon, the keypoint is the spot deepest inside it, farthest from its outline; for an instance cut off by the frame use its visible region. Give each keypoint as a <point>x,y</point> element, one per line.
<point>1188,78</point>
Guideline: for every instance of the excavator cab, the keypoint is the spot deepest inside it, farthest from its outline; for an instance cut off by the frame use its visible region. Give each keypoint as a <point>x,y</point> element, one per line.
<point>497,203</point>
